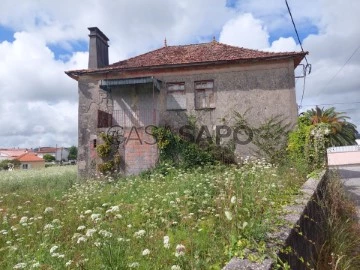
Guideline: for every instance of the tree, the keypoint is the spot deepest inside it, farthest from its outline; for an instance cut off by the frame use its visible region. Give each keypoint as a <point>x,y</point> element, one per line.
<point>342,132</point>
<point>318,129</point>
<point>48,158</point>
<point>5,164</point>
<point>73,153</point>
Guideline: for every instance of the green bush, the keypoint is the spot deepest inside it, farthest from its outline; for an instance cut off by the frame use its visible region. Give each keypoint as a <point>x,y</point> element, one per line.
<point>177,150</point>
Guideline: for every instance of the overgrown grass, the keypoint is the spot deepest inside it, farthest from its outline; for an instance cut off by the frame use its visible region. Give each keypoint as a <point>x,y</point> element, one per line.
<point>168,219</point>
<point>341,249</point>
<point>52,181</point>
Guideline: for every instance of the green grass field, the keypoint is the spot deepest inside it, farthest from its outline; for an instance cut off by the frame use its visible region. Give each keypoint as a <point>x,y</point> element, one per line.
<point>168,219</point>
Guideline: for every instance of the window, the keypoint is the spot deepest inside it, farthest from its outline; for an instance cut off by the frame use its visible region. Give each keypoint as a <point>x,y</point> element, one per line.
<point>104,119</point>
<point>176,98</point>
<point>204,95</point>
<point>25,166</point>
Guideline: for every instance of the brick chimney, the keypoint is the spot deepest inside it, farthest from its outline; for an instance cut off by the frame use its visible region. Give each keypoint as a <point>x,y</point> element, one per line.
<point>98,49</point>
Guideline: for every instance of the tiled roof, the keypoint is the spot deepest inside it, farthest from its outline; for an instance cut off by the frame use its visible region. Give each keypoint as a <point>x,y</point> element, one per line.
<point>212,53</point>
<point>13,153</point>
<point>46,150</point>
<point>29,157</point>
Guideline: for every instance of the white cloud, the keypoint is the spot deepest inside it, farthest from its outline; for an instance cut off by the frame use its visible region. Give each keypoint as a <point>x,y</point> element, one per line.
<point>284,45</point>
<point>245,31</point>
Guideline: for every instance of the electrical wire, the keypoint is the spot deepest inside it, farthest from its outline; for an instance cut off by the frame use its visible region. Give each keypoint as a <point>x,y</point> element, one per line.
<point>297,34</point>
<point>347,61</point>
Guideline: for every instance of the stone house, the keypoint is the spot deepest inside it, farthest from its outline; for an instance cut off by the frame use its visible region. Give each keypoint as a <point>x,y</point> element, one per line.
<point>165,86</point>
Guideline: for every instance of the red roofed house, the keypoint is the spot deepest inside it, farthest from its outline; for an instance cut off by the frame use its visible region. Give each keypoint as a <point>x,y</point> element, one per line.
<point>165,86</point>
<point>30,161</point>
<point>11,153</point>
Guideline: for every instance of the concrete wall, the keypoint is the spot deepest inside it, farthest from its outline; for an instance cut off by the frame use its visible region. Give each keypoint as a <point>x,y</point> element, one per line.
<point>343,158</point>
<point>262,90</point>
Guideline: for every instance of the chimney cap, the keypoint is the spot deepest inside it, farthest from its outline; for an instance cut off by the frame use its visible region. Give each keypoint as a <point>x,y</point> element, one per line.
<point>96,31</point>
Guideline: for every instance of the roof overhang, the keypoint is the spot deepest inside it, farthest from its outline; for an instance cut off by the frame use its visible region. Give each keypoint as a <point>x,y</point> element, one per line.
<point>297,58</point>
<point>107,84</point>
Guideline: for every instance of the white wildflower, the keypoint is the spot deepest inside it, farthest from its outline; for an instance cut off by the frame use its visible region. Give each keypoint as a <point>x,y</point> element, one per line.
<point>146,252</point>
<point>68,263</point>
<point>134,265</point>
<point>95,217</point>
<point>56,221</point>
<point>35,265</point>
<point>53,248</point>
<point>80,228</point>
<point>228,215</point>
<point>87,212</point>
<point>233,199</point>
<point>139,233</point>
<point>81,239</point>
<point>166,241</point>
<point>175,267</point>
<point>90,232</point>
<point>113,209</point>
<point>118,216</point>
<point>23,220</point>
<point>48,210</point>
<point>48,227</point>
<point>20,266</point>
<point>180,250</point>
<point>105,233</point>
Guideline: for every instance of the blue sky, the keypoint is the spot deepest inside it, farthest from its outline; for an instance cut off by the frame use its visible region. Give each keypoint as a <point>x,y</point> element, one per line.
<point>39,40</point>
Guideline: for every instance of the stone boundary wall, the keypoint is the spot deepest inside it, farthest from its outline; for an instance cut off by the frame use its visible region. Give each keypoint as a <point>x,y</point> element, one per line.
<point>304,234</point>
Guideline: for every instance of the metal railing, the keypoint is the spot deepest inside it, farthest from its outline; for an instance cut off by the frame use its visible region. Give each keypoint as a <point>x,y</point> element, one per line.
<point>135,118</point>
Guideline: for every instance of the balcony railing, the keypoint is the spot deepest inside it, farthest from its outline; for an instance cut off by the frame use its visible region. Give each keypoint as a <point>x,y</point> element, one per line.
<point>135,118</point>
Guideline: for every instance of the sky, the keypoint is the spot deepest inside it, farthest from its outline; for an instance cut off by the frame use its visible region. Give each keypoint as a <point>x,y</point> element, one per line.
<point>40,39</point>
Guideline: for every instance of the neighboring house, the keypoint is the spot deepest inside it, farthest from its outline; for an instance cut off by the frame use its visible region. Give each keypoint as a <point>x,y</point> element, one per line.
<point>31,161</point>
<point>41,151</point>
<point>10,153</point>
<point>60,153</point>
<point>165,86</point>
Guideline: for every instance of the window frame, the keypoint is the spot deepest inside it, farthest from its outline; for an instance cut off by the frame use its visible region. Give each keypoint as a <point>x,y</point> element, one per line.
<point>198,89</point>
<point>176,92</point>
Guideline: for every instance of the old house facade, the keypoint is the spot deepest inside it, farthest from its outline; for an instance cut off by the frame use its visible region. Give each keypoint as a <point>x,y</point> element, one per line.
<point>208,81</point>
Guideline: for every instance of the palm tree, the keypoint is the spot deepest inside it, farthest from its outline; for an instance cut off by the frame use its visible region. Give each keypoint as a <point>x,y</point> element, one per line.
<point>342,131</point>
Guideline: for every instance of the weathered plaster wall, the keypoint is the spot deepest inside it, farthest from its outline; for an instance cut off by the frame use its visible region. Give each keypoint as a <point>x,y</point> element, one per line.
<point>91,99</point>
<point>262,91</point>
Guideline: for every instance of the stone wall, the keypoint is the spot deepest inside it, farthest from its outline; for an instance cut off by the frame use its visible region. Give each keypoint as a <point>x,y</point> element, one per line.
<point>305,234</point>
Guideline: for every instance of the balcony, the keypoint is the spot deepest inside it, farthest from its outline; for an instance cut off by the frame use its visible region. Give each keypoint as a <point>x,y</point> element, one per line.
<point>128,118</point>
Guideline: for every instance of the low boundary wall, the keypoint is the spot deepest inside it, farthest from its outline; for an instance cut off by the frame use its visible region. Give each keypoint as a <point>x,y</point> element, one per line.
<point>304,234</point>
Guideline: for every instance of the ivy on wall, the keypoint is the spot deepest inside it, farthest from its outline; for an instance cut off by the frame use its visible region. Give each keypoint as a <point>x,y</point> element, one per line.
<point>109,154</point>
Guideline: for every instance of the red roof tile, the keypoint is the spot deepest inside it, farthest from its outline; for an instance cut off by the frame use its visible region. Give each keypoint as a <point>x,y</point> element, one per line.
<point>29,157</point>
<point>45,150</point>
<point>212,52</point>
<point>13,152</point>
